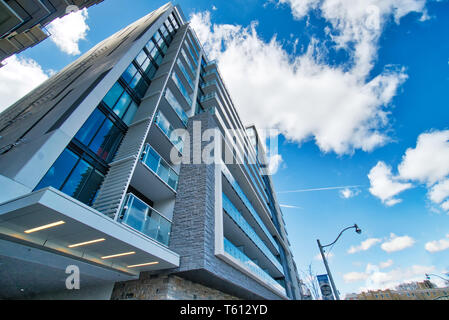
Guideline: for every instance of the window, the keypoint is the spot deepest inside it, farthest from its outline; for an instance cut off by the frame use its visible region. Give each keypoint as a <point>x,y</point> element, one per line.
<point>100,135</point>
<point>120,101</point>
<point>173,20</point>
<point>73,176</point>
<point>57,174</point>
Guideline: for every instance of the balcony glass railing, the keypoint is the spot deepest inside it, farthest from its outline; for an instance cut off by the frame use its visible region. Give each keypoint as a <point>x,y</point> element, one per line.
<point>143,218</point>
<point>192,67</point>
<point>181,88</point>
<point>247,203</point>
<point>251,265</point>
<point>185,73</point>
<point>208,96</point>
<point>176,106</point>
<point>209,83</point>
<point>249,231</point>
<point>159,166</point>
<point>167,128</point>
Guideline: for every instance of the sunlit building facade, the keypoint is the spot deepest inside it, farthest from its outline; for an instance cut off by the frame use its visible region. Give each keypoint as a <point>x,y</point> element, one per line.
<point>99,173</point>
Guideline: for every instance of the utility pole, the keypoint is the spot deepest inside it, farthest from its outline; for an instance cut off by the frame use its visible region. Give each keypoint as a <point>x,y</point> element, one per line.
<point>334,288</point>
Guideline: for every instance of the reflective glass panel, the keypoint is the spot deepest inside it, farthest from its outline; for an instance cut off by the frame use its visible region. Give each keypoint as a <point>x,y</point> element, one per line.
<point>60,170</point>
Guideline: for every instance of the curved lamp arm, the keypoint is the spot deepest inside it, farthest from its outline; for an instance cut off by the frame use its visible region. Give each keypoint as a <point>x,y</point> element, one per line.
<point>435,275</point>
<point>357,229</point>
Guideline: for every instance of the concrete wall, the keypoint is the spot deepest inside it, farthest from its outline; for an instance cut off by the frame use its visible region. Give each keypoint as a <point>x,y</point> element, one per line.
<point>90,293</point>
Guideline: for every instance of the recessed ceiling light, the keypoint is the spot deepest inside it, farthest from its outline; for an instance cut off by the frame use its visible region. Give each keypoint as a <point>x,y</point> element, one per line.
<point>118,255</point>
<point>51,225</point>
<point>143,264</point>
<point>86,243</point>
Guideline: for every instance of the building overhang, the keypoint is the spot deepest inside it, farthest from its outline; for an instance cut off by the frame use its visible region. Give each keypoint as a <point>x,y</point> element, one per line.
<point>80,233</point>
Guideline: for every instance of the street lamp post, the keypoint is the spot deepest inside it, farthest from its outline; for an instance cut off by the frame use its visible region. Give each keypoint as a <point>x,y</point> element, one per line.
<point>435,275</point>
<point>326,265</point>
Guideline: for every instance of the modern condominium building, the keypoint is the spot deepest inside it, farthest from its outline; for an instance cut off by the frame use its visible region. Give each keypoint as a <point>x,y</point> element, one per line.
<point>22,22</point>
<point>132,169</point>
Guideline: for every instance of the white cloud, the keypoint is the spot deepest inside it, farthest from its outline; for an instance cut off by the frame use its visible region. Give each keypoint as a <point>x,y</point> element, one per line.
<point>439,192</point>
<point>214,8</point>
<point>68,31</point>
<point>301,96</point>
<point>348,193</point>
<point>386,264</point>
<point>365,245</point>
<point>384,185</point>
<point>445,205</point>
<point>329,256</point>
<point>396,243</point>
<point>389,280</point>
<point>438,245</point>
<point>359,23</point>
<point>422,163</point>
<point>427,164</point>
<point>300,8</point>
<point>375,279</point>
<point>274,162</point>
<point>355,277</point>
<point>289,206</point>
<point>18,77</point>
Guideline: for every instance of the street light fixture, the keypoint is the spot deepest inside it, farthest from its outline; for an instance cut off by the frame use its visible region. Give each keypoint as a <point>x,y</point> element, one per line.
<point>435,275</point>
<point>334,288</point>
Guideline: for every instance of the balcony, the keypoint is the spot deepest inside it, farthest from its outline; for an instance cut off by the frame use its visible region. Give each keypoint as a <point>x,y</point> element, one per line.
<point>176,106</point>
<point>45,231</point>
<point>209,96</point>
<point>146,220</point>
<point>165,126</point>
<point>237,217</point>
<point>182,88</point>
<point>251,265</point>
<point>241,195</point>
<point>159,166</point>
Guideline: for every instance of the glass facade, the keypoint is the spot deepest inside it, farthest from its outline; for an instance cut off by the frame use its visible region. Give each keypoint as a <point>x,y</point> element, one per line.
<point>74,176</point>
<point>80,169</point>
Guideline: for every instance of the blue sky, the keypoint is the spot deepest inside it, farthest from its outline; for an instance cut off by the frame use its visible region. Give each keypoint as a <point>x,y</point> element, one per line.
<point>359,94</point>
